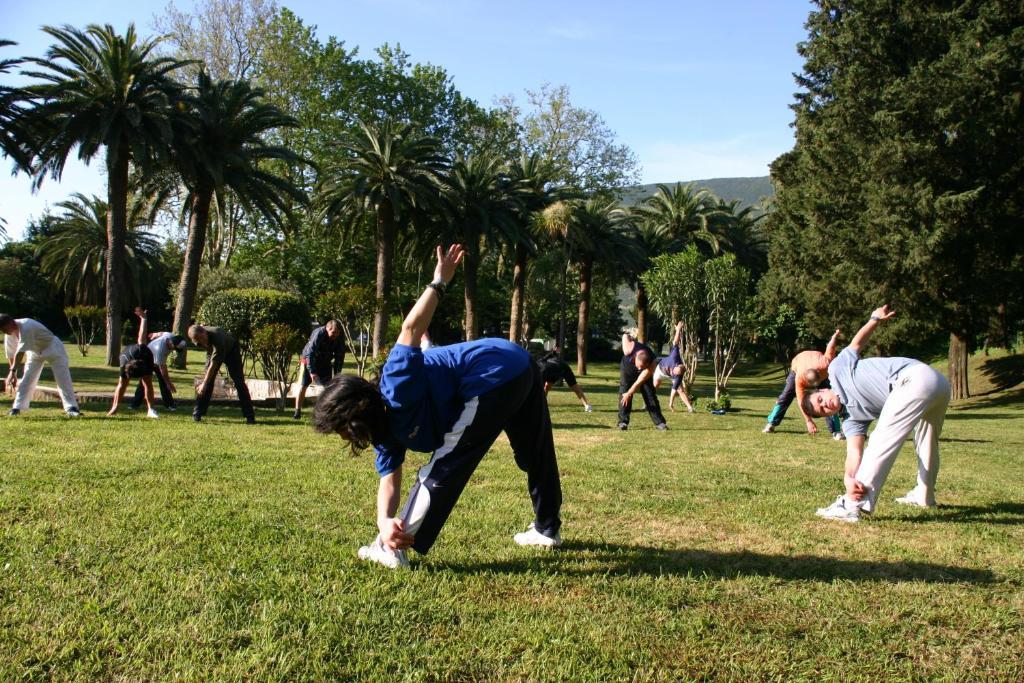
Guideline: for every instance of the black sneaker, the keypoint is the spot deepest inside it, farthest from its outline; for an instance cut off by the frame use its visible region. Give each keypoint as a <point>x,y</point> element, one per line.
<point>297,415</point>
<point>623,426</point>
<point>250,420</point>
<point>197,418</point>
<point>74,412</point>
<point>14,412</point>
<point>171,409</point>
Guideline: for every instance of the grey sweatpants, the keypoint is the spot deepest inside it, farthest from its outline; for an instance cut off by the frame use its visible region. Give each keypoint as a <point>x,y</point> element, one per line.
<point>917,402</point>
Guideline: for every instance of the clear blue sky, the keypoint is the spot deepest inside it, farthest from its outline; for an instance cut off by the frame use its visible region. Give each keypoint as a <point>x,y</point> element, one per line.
<point>696,89</point>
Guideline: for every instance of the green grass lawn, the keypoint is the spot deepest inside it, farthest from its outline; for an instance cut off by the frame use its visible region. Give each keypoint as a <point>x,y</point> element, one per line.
<point>133,549</point>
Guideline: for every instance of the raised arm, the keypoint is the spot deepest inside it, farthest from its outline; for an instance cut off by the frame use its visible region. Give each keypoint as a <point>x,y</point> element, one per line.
<point>418,320</point>
<point>864,333</point>
<point>627,343</point>
<point>678,336</point>
<point>830,348</point>
<point>143,336</point>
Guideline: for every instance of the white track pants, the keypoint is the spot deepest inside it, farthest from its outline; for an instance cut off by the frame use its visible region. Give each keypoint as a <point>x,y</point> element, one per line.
<point>57,357</point>
<point>918,402</point>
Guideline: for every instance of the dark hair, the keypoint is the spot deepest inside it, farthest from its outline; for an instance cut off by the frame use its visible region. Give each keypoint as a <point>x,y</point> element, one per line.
<point>177,340</point>
<point>354,408</point>
<point>644,356</point>
<point>138,367</point>
<point>5,320</point>
<point>807,405</point>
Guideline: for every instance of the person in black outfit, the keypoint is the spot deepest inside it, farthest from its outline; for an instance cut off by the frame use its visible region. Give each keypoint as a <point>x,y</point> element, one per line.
<point>636,374</point>
<point>322,357</point>
<point>554,370</point>
<point>136,362</point>
<point>220,347</point>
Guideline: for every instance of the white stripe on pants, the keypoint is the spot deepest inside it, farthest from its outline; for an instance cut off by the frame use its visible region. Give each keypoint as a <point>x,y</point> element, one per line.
<point>918,401</point>
<point>57,357</point>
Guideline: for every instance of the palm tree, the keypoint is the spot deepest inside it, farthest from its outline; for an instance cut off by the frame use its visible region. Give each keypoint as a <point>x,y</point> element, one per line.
<point>14,140</point>
<point>483,210</point>
<point>652,240</point>
<point>533,182</point>
<point>221,147</point>
<point>103,90</point>
<point>743,233</point>
<point>387,173</point>
<point>683,214</point>
<point>598,232</point>
<point>74,254</point>
<point>555,221</point>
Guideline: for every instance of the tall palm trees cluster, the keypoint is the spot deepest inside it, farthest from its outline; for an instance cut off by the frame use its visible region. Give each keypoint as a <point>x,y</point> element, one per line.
<point>208,141</point>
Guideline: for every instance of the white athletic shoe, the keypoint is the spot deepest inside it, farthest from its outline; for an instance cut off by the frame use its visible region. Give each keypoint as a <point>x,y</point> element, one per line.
<point>913,497</point>
<point>842,510</point>
<point>532,537</point>
<point>151,413</point>
<point>768,428</point>
<point>588,408</point>
<point>376,552</point>
<point>839,436</point>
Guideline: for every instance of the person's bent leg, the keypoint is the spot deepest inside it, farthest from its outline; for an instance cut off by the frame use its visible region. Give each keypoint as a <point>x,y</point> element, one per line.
<point>237,374</point>
<point>784,400</point>
<point>59,366</point>
<point>27,385</point>
<point>529,433</point>
<point>300,395</point>
<point>441,481</point>
<point>205,393</point>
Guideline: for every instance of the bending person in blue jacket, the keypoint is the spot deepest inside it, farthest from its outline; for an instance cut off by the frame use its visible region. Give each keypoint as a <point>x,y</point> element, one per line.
<point>321,359</point>
<point>453,401</point>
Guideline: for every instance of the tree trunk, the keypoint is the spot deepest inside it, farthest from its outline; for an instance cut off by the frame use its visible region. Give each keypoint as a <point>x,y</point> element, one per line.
<point>582,331</point>
<point>385,267</point>
<point>189,283</point>
<point>561,306</point>
<point>471,268</point>
<point>515,325</point>
<point>641,311</point>
<point>958,352</point>
<point>117,230</point>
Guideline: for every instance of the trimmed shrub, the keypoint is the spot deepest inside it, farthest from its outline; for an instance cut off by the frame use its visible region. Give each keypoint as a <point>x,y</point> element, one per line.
<point>274,347</point>
<point>86,323</point>
<point>241,311</point>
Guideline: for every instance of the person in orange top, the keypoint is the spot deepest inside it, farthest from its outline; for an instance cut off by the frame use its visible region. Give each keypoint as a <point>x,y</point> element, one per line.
<point>807,371</point>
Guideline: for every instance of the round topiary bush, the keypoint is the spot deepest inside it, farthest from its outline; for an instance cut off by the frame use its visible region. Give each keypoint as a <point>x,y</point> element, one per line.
<point>241,311</point>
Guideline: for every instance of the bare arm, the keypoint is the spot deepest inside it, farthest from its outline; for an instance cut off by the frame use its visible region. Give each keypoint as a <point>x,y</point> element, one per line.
<point>167,377</point>
<point>864,333</point>
<point>644,375</point>
<point>141,312</point>
<point>122,384</point>
<point>854,452</point>
<point>392,533</point>
<point>418,320</point>
<point>678,336</point>
<point>830,348</point>
<point>627,344</point>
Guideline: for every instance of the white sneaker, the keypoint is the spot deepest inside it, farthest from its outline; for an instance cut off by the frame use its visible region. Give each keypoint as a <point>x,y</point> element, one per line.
<point>689,409</point>
<point>376,552</point>
<point>588,408</point>
<point>842,510</point>
<point>839,436</point>
<point>535,538</point>
<point>151,413</point>
<point>915,498</point>
<point>768,428</point>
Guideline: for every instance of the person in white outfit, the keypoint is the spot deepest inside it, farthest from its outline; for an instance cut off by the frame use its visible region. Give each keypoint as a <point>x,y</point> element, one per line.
<point>903,395</point>
<point>30,342</point>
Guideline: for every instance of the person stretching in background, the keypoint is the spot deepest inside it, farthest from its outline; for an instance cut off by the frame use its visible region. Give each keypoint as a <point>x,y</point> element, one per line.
<point>554,370</point>
<point>29,341</point>
<point>672,367</point>
<point>809,369</point>
<point>322,357</point>
<point>636,374</point>
<point>220,347</point>
<point>903,395</point>
<point>136,362</point>
<point>161,344</point>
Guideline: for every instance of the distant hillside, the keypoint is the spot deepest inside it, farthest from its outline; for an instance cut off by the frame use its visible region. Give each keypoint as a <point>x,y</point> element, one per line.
<point>749,191</point>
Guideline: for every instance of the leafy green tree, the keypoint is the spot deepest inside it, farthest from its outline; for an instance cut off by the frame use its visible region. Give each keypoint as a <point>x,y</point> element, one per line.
<point>74,253</point>
<point>99,90</point>
<point>598,232</point>
<point>86,322</point>
<point>677,290</point>
<point>386,174</point>
<point>482,211</point>
<point>727,292</point>
<point>221,146</point>
<point>905,184</point>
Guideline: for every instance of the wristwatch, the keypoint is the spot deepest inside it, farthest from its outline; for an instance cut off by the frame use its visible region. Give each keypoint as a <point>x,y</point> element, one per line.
<point>438,286</point>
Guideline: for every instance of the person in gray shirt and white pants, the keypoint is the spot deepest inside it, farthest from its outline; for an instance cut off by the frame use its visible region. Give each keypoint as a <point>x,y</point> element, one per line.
<point>904,395</point>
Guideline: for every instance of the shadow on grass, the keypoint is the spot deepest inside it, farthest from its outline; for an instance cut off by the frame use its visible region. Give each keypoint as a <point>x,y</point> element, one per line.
<point>998,513</point>
<point>1002,399</point>
<point>1004,372</point>
<point>583,558</point>
<point>964,415</point>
